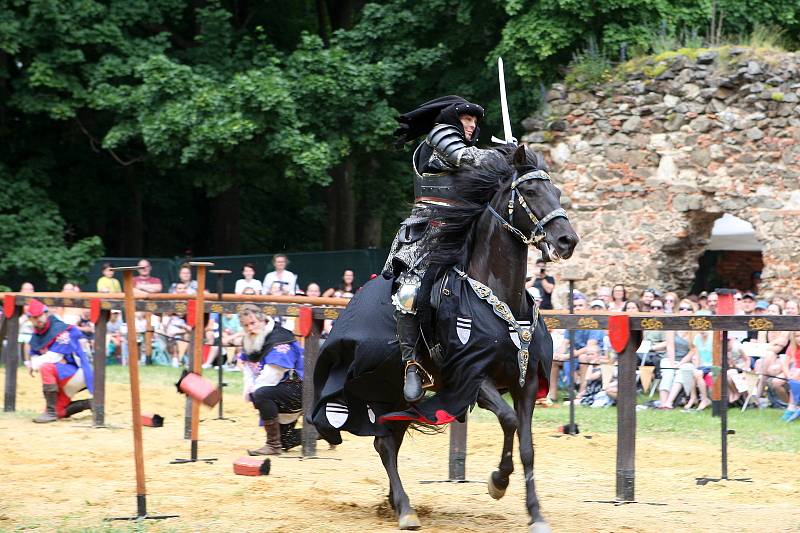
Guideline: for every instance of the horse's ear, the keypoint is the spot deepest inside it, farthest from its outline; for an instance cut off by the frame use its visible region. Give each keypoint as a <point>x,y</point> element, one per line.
<point>520,157</point>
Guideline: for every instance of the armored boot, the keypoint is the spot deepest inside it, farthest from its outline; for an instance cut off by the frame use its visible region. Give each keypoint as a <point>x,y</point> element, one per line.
<point>408,335</point>
<point>273,444</point>
<point>77,406</point>
<point>50,391</point>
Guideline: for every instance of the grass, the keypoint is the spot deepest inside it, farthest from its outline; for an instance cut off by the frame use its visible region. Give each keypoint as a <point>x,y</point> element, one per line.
<point>757,429</point>
<point>165,376</point>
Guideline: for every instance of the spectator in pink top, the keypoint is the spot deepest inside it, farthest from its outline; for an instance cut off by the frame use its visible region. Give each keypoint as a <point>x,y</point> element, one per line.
<point>144,281</point>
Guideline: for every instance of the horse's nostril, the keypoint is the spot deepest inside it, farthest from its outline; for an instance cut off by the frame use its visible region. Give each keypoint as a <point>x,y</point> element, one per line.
<point>568,241</point>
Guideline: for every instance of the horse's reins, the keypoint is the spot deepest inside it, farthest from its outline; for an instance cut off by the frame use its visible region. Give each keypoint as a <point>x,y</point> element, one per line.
<point>538,232</point>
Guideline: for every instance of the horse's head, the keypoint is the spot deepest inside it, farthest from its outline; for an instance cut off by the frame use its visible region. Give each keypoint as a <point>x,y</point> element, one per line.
<point>534,209</point>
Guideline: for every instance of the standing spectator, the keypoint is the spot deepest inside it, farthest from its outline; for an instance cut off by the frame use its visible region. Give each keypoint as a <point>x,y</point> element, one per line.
<point>185,279</point>
<point>107,282</point>
<point>286,279</point>
<point>546,284</point>
<point>345,286</point>
<point>144,281</point>
<point>248,280</point>
<point>619,295</point>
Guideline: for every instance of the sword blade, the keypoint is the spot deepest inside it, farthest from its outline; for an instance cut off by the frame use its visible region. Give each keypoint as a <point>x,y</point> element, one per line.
<point>504,102</point>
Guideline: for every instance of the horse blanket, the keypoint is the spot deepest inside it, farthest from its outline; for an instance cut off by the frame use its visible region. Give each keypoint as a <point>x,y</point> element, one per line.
<point>358,378</point>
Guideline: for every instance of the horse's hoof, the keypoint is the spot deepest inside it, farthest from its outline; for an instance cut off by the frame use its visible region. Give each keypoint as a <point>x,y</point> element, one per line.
<point>409,521</point>
<point>495,491</point>
<point>539,527</point>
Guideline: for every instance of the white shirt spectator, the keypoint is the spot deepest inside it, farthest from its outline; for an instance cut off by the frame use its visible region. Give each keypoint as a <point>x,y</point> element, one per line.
<point>287,280</point>
<point>242,284</point>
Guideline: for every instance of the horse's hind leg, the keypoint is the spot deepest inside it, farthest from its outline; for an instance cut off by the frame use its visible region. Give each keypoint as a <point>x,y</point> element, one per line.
<point>524,406</point>
<point>490,399</point>
<point>388,448</point>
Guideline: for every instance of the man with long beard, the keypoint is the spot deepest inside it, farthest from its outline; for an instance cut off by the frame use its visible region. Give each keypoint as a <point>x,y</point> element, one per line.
<point>57,354</point>
<point>273,373</point>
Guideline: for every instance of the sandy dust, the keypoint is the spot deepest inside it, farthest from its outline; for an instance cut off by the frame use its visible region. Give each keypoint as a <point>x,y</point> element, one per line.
<point>66,476</point>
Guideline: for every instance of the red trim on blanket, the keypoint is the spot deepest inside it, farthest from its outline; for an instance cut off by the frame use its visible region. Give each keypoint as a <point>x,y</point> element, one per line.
<point>442,417</point>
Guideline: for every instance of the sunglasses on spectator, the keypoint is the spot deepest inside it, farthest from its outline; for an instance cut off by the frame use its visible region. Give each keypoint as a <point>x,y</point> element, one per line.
<point>683,308</point>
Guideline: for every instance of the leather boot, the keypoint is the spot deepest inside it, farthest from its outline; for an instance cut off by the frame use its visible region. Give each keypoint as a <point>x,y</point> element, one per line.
<point>408,335</point>
<point>78,406</point>
<point>50,391</point>
<point>273,444</point>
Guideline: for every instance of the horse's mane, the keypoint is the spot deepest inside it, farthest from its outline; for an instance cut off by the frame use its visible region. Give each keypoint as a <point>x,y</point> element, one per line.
<point>476,187</point>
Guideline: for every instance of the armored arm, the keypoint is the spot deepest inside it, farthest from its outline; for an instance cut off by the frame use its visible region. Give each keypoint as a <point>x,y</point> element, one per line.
<point>448,143</point>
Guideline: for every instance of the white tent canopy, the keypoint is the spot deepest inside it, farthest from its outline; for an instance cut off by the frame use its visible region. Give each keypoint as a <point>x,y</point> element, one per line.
<point>732,233</point>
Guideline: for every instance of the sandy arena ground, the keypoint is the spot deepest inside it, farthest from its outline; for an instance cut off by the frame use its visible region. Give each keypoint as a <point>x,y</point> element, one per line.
<point>345,491</point>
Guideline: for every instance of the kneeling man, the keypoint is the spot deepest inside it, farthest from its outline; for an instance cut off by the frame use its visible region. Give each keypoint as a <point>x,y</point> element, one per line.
<point>57,354</point>
<point>273,372</point>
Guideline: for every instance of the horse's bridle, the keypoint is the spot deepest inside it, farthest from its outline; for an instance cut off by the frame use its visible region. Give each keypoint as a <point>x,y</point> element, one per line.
<point>538,232</point>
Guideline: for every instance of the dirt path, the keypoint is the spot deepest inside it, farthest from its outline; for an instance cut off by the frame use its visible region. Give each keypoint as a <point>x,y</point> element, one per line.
<point>344,492</point>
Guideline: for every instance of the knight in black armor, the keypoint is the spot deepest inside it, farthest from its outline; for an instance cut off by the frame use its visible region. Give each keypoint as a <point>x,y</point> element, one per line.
<point>450,124</point>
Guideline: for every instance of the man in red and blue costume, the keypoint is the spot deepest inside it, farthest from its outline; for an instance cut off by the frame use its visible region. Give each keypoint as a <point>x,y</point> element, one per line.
<point>57,354</point>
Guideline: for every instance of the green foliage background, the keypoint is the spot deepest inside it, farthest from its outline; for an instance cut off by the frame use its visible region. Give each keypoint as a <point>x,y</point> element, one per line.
<point>149,127</point>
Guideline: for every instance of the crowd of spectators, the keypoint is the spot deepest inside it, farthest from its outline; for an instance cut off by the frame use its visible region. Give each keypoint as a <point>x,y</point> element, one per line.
<point>764,365</point>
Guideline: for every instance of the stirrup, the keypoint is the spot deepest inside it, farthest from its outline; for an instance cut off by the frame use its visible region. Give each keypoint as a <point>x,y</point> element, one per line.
<point>427,379</point>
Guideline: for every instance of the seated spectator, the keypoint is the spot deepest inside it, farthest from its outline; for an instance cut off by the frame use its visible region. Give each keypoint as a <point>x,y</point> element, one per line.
<point>114,337</point>
<point>25,327</point>
<point>273,374</point>
<point>791,308</point>
<point>107,282</point>
<point>184,278</point>
<point>286,279</point>
<point>702,301</point>
<point>604,293</point>
<point>619,295</point>
<point>248,280</point>
<point>144,282</point>
<point>249,291</point>
<point>648,295</point>
<point>86,326</point>
<point>345,286</point>
<point>313,290</point>
<point>560,354</point>
<point>631,306</point>
<point>791,378</point>
<point>677,369</point>
<point>670,301</point>
<point>655,341</point>
<point>713,299</point>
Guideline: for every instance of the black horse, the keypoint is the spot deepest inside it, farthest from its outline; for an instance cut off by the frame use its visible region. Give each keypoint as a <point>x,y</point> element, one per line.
<point>485,335</point>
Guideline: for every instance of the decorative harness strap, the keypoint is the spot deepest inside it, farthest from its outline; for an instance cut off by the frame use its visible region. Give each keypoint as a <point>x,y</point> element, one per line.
<point>538,232</point>
<point>502,310</point>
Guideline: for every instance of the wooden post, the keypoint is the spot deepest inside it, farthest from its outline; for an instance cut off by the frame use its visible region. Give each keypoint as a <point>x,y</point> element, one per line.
<point>626,418</point>
<point>457,467</point>
<point>310,355</point>
<point>148,339</point>
<point>133,372</point>
<point>187,410</point>
<point>723,409</point>
<point>716,389</point>
<point>99,365</point>
<point>199,336</point>
<point>11,357</point>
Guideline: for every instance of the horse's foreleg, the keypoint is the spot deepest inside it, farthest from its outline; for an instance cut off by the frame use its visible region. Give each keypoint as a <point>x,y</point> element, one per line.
<point>388,448</point>
<point>490,399</point>
<point>524,404</point>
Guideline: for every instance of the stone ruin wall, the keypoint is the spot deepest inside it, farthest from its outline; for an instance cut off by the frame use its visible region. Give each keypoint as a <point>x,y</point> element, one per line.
<point>649,161</point>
